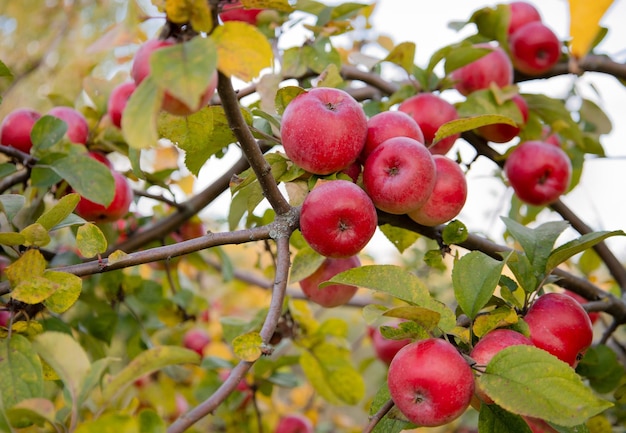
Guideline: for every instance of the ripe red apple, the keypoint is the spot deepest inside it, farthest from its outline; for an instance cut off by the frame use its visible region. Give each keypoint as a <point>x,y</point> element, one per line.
<point>389,124</point>
<point>501,132</point>
<point>550,137</point>
<point>494,67</point>
<point>243,389</point>
<point>115,210</point>
<point>559,325</point>
<point>492,343</point>
<point>16,127</point>
<point>99,156</point>
<point>77,127</point>
<point>521,13</point>
<point>535,48</point>
<point>430,382</point>
<point>353,171</point>
<point>117,101</point>
<point>294,424</point>
<point>335,294</point>
<point>234,11</point>
<point>399,175</point>
<point>323,130</point>
<point>338,219</point>
<point>197,340</point>
<point>430,112</point>
<point>448,196</point>
<point>385,348</point>
<point>538,425</point>
<point>593,316</point>
<point>5,318</point>
<point>538,172</point>
<point>141,69</point>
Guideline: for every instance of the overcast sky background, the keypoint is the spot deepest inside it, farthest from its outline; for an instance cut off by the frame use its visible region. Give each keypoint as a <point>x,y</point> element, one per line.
<point>599,199</point>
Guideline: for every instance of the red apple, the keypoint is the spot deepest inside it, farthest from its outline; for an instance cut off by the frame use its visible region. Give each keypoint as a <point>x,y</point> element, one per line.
<point>77,127</point>
<point>494,67</point>
<point>430,112</point>
<point>338,219</point>
<point>323,130</point>
<point>501,132</point>
<point>430,382</point>
<point>353,171</point>
<point>535,48</point>
<point>334,294</point>
<point>559,324</point>
<point>16,127</point>
<point>492,343</point>
<point>594,316</point>
<point>197,340</point>
<point>448,196</point>
<point>521,13</point>
<point>550,137</point>
<point>538,425</point>
<point>5,318</point>
<point>538,172</point>
<point>115,210</point>
<point>385,348</point>
<point>243,390</point>
<point>141,62</point>
<point>389,124</point>
<point>236,12</point>
<point>99,156</point>
<point>294,424</point>
<point>117,101</point>
<point>399,175</point>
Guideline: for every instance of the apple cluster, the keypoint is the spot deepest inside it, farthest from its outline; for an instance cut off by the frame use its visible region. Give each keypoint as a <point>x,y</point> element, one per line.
<point>432,384</point>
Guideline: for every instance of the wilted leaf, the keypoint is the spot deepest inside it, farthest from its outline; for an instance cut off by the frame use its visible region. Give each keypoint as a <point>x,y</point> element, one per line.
<point>21,376</point>
<point>248,346</point>
<point>61,210</point>
<point>243,51</point>
<point>88,177</point>
<point>90,240</point>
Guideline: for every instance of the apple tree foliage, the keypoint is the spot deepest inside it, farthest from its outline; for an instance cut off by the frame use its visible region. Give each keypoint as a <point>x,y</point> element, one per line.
<point>93,342</point>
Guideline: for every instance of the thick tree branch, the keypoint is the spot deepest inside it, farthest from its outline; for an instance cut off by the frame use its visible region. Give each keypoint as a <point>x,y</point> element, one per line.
<point>250,147</point>
<point>590,63</point>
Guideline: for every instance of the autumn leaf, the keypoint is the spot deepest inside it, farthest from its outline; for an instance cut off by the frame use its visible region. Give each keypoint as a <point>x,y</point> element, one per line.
<point>584,23</point>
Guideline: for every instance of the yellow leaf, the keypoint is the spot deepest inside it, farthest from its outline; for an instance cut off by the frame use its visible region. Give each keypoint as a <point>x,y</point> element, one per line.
<point>585,18</point>
<point>242,50</point>
<point>196,12</point>
<point>31,264</point>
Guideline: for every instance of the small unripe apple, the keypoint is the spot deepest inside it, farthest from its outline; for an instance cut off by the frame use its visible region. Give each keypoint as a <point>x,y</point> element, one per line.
<point>399,175</point>
<point>521,13</point>
<point>430,112</point>
<point>334,294</point>
<point>294,423</point>
<point>197,340</point>
<point>16,127</point>
<point>338,219</point>
<point>389,124</point>
<point>494,67</point>
<point>448,196</point>
<point>559,325</point>
<point>115,210</point>
<point>117,101</point>
<point>430,382</point>
<point>385,348</point>
<point>77,127</point>
<point>236,12</point>
<point>535,48</point>
<point>501,132</point>
<point>538,172</point>
<point>323,130</point>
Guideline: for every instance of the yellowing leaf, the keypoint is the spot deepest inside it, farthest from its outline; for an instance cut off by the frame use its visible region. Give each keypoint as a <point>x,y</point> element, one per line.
<point>248,346</point>
<point>34,290</point>
<point>35,234</point>
<point>66,294</point>
<point>584,24</point>
<point>242,50</point>
<point>90,240</point>
<point>116,256</point>
<point>196,12</point>
<point>31,264</point>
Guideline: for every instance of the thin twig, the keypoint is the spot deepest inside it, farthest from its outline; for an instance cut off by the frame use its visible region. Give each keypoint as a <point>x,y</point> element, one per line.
<point>379,415</point>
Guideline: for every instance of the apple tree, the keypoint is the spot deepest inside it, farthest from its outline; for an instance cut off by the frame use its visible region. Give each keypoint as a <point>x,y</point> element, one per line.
<point>125,306</point>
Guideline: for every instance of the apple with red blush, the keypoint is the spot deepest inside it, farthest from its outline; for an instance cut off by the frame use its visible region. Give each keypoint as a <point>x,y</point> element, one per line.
<point>430,382</point>
<point>521,13</point>
<point>117,101</point>
<point>235,11</point>
<point>16,127</point>
<point>495,67</point>
<point>538,172</point>
<point>538,425</point>
<point>5,318</point>
<point>196,339</point>
<point>534,48</point>
<point>118,208</point>
<point>385,348</point>
<point>294,423</point>
<point>332,295</point>
<point>337,219</point>
<point>77,127</point>
<point>430,112</point>
<point>502,132</point>
<point>593,316</point>
<point>389,124</point>
<point>323,130</point>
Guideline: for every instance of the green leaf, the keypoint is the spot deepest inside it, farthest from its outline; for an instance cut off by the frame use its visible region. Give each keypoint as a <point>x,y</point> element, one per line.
<point>462,55</point>
<point>397,282</point>
<point>146,362</point>
<point>475,276</point>
<point>12,239</point>
<point>601,366</point>
<point>47,132</point>
<point>594,117</point>
<point>66,357</point>
<point>529,381</point>
<point>494,419</point>
<point>21,375</point>
<point>151,422</point>
<point>32,410</point>
<point>399,237</point>
<point>35,235</point>
<point>285,95</point>
<point>330,77</point>
<point>94,376</point>
<point>11,204</point>
<point>61,210</point>
<point>110,423</point>
<point>393,421</point>
<point>185,70</point>
<point>425,318</point>
<point>90,240</point>
<point>4,70</point>
<point>497,318</point>
<point>454,232</point>
<point>305,262</point>
<point>248,346</point>
<point>469,123</point>
<point>88,177</point>
<point>569,249</point>
<point>139,123</point>
<point>402,55</point>
<point>493,22</point>
<point>69,287</point>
